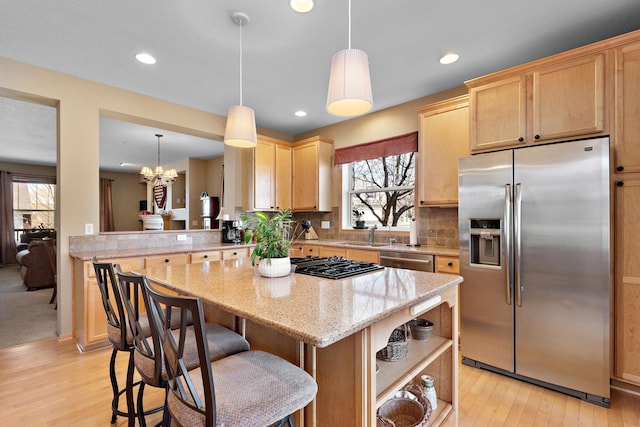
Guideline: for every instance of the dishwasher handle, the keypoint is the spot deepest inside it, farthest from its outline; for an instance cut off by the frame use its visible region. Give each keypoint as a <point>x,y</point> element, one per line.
<point>423,263</point>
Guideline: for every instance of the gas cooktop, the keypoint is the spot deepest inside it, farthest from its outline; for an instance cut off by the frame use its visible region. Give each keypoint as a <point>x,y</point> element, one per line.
<point>333,267</point>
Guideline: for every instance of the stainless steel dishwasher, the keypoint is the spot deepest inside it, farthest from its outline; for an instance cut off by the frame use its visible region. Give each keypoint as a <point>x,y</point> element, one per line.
<point>408,260</point>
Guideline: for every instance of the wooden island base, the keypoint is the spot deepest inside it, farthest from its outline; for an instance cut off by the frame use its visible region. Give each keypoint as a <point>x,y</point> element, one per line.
<point>349,389</point>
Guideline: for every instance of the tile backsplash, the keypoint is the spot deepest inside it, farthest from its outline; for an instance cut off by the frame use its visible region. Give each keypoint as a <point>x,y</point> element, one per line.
<point>436,227</point>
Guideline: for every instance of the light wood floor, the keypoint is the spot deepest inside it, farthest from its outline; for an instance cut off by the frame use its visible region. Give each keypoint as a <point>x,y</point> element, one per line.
<point>49,383</point>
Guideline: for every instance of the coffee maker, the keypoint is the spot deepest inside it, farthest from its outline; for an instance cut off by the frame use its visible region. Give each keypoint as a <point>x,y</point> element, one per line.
<point>230,231</point>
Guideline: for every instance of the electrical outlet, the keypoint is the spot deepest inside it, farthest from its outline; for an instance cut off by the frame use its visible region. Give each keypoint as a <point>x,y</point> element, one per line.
<point>88,229</point>
<point>325,224</point>
<point>194,222</point>
<point>182,237</point>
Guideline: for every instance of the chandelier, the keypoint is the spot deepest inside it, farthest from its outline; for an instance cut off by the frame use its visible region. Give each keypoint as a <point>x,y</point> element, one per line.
<point>159,176</point>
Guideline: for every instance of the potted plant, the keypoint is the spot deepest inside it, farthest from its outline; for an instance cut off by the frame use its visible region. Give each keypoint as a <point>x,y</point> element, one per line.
<point>358,215</point>
<point>271,236</point>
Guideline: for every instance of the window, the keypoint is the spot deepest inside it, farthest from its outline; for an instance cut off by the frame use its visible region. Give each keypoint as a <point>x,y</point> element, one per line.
<point>34,204</point>
<point>382,190</point>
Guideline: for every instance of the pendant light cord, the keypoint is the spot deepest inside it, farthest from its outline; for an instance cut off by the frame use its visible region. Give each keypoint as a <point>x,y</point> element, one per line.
<point>349,24</point>
<point>240,23</point>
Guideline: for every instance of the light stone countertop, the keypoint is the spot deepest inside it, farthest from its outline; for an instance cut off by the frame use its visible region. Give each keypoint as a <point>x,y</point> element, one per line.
<point>310,309</point>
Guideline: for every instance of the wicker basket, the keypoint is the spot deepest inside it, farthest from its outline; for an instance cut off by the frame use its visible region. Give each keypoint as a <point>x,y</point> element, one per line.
<point>402,411</point>
<point>384,422</point>
<point>420,328</point>
<point>417,391</point>
<point>397,347</point>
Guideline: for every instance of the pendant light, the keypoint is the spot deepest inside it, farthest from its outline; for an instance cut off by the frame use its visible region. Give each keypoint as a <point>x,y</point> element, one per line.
<point>301,6</point>
<point>349,82</point>
<point>240,130</point>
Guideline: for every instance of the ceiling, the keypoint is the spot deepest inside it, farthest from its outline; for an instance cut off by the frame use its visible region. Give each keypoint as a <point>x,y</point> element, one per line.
<point>286,56</point>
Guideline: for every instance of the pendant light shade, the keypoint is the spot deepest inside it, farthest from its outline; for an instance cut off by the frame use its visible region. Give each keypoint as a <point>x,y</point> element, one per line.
<point>349,84</point>
<point>240,130</point>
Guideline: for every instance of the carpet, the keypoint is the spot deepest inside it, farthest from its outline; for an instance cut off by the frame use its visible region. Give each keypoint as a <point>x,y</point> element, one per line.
<point>25,316</point>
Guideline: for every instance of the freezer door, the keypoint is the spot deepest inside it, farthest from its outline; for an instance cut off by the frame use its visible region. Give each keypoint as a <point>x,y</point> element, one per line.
<point>486,309</point>
<point>562,325</point>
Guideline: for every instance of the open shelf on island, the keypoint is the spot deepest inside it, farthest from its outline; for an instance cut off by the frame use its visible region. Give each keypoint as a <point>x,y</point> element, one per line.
<point>395,375</point>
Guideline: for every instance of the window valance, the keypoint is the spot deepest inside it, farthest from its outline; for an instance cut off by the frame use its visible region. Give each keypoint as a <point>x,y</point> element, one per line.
<point>32,179</point>
<point>393,146</point>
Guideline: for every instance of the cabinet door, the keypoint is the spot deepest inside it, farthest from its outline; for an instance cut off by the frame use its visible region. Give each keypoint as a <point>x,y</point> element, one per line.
<point>205,256</point>
<point>627,286</point>
<point>498,114</point>
<point>327,251</point>
<point>96,327</point>
<point>235,253</point>
<point>282,177</point>
<point>568,99</point>
<point>444,137</point>
<point>168,259</point>
<point>305,177</point>
<point>264,161</point>
<point>446,264</point>
<point>627,109</point>
<point>310,250</point>
<point>363,255</point>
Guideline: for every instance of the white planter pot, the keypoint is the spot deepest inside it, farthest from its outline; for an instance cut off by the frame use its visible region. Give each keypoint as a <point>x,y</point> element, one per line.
<point>274,267</point>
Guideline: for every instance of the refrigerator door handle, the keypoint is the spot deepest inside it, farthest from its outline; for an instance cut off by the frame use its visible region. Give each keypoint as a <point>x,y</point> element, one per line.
<point>517,214</point>
<point>506,238</point>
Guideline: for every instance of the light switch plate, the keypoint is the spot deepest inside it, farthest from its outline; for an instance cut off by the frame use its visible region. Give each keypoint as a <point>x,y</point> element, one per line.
<point>182,237</point>
<point>88,229</point>
<point>194,222</point>
<point>325,224</point>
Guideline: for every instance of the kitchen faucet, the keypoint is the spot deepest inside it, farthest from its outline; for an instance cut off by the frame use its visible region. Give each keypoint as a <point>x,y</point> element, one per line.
<point>372,231</point>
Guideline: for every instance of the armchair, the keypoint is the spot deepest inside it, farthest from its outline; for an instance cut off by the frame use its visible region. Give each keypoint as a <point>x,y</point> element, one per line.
<point>35,268</point>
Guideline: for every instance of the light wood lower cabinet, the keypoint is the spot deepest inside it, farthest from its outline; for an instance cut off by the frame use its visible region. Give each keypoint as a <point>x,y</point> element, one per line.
<point>447,264</point>
<point>363,255</point>
<point>627,281</point>
<point>160,260</point>
<point>203,256</point>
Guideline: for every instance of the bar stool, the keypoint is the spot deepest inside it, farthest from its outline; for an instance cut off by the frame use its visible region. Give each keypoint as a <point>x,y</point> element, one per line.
<point>119,336</point>
<point>148,358</point>
<point>251,388</point>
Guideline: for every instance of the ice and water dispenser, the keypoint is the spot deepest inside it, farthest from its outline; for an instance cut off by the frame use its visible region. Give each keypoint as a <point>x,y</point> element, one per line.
<point>485,241</point>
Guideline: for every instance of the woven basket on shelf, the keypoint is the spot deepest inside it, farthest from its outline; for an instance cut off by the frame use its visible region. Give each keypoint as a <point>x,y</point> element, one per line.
<point>397,347</point>
<point>417,391</point>
<point>402,411</point>
<point>420,328</point>
<point>384,422</point>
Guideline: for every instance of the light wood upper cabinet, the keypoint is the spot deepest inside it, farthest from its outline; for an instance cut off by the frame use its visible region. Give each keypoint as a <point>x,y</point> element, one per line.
<point>498,114</point>
<point>444,137</point>
<point>283,176</point>
<point>271,175</point>
<point>312,174</point>
<point>568,99</point>
<point>264,161</point>
<point>548,100</point>
<point>627,109</point>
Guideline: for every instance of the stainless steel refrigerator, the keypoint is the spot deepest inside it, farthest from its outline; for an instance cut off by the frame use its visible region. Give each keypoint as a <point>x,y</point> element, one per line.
<point>535,257</point>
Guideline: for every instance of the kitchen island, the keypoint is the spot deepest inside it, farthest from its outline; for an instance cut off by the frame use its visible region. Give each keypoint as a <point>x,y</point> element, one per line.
<point>333,329</point>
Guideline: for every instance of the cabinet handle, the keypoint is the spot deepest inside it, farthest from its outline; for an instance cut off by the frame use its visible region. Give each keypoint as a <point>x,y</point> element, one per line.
<point>166,260</point>
<point>235,253</point>
<point>536,137</point>
<point>620,183</point>
<point>450,264</point>
<point>620,168</point>
<point>206,256</point>
<point>521,139</point>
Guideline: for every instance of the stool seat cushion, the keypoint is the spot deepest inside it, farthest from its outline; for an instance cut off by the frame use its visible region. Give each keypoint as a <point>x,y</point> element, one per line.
<point>252,388</point>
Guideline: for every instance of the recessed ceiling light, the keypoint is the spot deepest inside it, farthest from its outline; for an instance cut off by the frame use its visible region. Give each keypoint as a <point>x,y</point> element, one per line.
<point>301,6</point>
<point>449,58</point>
<point>145,58</point>
<point>300,113</point>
